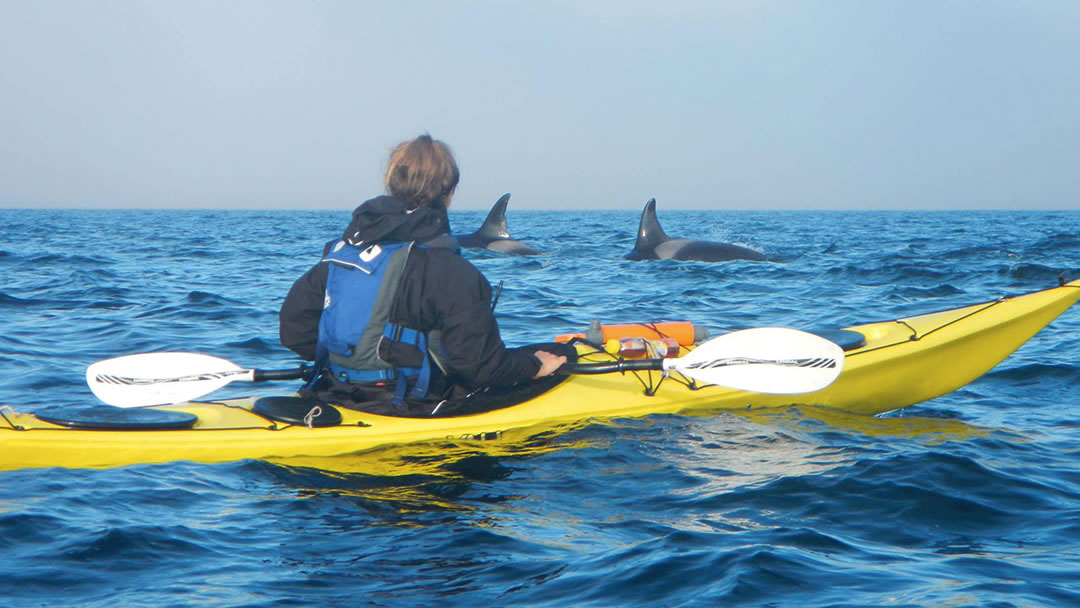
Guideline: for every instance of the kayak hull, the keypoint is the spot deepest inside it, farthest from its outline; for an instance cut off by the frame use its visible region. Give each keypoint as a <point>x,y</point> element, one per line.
<point>903,362</point>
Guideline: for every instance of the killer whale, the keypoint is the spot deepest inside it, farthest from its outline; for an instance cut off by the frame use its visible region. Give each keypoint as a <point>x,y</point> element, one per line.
<point>654,244</point>
<point>493,234</point>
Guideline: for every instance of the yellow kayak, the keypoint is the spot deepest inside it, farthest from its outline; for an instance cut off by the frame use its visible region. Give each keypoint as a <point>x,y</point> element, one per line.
<point>899,363</point>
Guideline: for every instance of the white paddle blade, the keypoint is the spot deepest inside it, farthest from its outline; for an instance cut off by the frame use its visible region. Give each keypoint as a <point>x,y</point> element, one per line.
<point>771,360</point>
<point>160,378</point>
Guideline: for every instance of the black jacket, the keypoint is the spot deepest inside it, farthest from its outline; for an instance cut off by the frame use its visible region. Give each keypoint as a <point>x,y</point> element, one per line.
<point>440,290</point>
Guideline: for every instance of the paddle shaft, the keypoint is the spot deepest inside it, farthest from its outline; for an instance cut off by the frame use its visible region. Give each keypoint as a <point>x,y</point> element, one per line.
<point>297,373</point>
<point>611,367</point>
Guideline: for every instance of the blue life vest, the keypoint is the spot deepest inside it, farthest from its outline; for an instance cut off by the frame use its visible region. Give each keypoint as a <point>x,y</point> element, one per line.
<point>361,286</point>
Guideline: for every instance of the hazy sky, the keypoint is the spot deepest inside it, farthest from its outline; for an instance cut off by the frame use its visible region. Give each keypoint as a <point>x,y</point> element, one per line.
<point>565,103</point>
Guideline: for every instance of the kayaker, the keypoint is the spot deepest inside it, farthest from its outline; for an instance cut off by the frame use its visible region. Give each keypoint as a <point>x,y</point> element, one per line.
<point>398,322</point>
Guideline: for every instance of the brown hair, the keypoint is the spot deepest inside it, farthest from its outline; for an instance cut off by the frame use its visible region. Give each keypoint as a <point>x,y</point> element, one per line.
<point>421,172</point>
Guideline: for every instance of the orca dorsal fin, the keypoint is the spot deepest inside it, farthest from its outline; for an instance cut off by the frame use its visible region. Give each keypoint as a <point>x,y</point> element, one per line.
<point>495,225</point>
<point>650,234</point>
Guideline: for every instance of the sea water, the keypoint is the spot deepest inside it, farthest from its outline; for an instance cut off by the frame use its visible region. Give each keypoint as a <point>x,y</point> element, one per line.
<point>972,499</point>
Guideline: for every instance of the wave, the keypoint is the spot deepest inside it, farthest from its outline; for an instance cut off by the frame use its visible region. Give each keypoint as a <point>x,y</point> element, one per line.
<point>131,547</point>
<point>10,300</point>
<point>1037,272</point>
<point>890,273</point>
<point>77,260</point>
<point>1055,243</point>
<point>920,293</point>
<point>255,345</point>
<point>207,299</point>
<point>977,252</point>
<point>1037,372</point>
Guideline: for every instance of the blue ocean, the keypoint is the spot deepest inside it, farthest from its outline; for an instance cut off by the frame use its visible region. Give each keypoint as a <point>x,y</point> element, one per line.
<point>971,499</point>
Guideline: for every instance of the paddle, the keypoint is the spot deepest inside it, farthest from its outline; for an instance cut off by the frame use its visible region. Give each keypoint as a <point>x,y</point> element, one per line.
<point>773,360</point>
<point>763,360</point>
<point>164,378</point>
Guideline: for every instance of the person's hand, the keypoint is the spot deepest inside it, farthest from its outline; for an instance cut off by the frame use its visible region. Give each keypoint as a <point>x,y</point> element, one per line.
<point>548,363</point>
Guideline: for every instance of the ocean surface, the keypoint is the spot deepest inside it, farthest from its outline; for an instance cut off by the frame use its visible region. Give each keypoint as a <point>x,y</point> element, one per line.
<point>971,499</point>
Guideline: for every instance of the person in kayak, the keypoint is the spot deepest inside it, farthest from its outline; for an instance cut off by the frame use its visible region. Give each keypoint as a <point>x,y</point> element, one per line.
<point>397,322</point>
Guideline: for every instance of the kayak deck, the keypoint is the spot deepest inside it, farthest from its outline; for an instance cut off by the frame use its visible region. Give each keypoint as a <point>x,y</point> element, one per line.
<point>903,362</point>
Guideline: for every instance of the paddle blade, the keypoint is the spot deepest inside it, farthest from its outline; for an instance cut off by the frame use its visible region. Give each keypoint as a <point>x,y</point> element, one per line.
<point>773,360</point>
<point>160,378</point>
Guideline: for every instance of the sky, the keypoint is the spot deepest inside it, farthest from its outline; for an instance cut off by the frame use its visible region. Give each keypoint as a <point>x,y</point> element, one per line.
<point>566,104</point>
